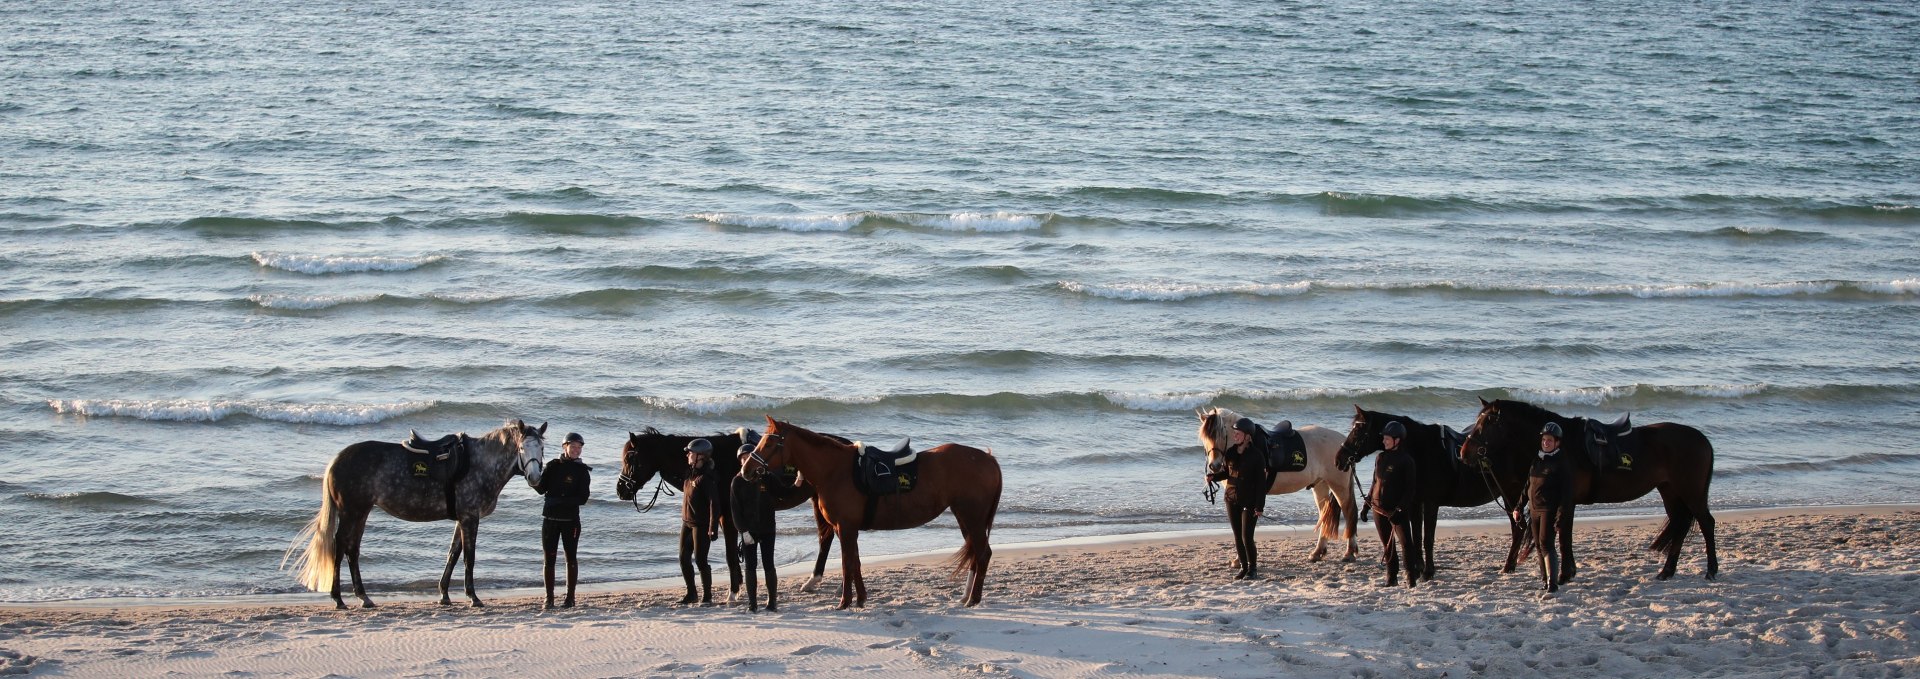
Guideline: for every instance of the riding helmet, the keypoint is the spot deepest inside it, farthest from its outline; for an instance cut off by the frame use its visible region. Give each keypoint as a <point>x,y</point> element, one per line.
<point>574,437</point>
<point>1245,425</point>
<point>1394,429</point>
<point>700,446</point>
<point>1552,429</point>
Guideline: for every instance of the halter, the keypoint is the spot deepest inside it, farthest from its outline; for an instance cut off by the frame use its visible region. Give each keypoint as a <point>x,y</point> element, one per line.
<point>780,443</point>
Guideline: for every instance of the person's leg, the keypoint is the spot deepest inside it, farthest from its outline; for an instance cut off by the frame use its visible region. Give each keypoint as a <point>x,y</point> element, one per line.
<point>700,545</point>
<point>570,536</point>
<point>1239,540</point>
<point>686,564</point>
<point>549,535</point>
<point>1253,547</point>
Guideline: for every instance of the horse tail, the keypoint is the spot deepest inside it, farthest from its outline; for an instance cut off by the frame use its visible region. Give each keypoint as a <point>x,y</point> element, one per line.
<point>976,551</point>
<point>1330,516</point>
<point>1679,523</point>
<point>316,567</point>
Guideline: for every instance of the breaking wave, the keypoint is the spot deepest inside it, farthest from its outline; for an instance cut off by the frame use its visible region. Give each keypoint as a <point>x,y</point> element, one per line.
<point>188,410</point>
<point>1161,291</point>
<point>978,222</point>
<point>331,264</point>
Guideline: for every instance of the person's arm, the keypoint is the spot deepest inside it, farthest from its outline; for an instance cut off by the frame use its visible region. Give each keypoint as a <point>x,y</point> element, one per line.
<point>585,489</point>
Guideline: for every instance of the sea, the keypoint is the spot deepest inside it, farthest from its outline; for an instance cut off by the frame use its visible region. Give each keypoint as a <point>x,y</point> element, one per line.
<point>236,237</point>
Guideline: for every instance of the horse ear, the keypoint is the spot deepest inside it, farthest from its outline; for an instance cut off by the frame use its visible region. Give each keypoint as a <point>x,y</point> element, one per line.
<point>1357,410</point>
<point>1483,402</point>
<point>770,422</point>
<point>543,429</point>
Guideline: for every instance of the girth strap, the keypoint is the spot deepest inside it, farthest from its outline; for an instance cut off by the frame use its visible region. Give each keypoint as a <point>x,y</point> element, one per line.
<point>462,461</point>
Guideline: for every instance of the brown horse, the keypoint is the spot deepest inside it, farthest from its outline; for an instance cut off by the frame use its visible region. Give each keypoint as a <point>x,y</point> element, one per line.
<point>951,475</point>
<point>1677,460</point>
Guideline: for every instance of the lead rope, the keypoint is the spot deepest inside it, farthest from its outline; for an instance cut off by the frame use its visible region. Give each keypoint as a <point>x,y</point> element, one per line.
<point>660,484</point>
<point>1492,482</point>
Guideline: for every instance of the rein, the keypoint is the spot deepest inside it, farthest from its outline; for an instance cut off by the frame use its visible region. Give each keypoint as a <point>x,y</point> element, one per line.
<point>660,484</point>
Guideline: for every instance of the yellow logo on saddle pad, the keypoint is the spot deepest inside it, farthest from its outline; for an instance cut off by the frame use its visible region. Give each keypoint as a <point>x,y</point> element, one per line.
<point>419,468</point>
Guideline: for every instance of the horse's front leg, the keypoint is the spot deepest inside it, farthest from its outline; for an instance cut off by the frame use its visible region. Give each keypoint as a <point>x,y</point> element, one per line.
<point>453,558</point>
<point>849,566</point>
<point>826,545</point>
<point>472,532</point>
<point>1350,507</point>
<point>1426,555</point>
<point>1515,523</point>
<point>1322,499</point>
<point>1565,528</point>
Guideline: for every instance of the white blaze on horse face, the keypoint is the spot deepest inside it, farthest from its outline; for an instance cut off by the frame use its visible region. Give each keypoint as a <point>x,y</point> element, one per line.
<point>533,453</point>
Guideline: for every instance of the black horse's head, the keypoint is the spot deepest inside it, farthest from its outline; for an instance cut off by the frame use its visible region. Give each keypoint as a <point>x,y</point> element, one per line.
<point>1363,438</point>
<point>1506,430</point>
<point>646,453</point>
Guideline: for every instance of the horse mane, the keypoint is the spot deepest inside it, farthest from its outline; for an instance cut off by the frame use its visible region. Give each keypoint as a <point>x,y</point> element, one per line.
<point>809,435</point>
<point>1223,419</point>
<point>1526,408</point>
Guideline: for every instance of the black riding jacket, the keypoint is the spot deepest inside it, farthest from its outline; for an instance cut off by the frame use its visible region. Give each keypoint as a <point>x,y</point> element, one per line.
<point>566,484</point>
<point>1394,476</point>
<point>701,498</point>
<point>1246,475</point>
<point>1550,482</point>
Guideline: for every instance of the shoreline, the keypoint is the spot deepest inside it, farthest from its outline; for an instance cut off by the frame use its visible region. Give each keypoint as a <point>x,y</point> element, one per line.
<point>1304,532</point>
<point>1802,591</point>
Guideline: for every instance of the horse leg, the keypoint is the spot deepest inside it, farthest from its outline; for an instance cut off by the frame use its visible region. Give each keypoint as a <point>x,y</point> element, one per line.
<point>453,558</point>
<point>1699,512</point>
<point>1564,524</point>
<point>849,565</point>
<point>826,543</point>
<point>732,534</point>
<point>1519,528</point>
<point>1426,536</point>
<point>473,533</point>
<point>1350,507</point>
<point>354,528</point>
<point>1679,521</point>
<point>1328,514</point>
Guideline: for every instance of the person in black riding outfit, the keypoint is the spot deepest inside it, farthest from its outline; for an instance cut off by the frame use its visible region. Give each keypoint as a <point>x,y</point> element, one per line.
<point>1247,480</point>
<point>566,484</point>
<point>700,510</point>
<point>1396,508</point>
<point>1550,499</point>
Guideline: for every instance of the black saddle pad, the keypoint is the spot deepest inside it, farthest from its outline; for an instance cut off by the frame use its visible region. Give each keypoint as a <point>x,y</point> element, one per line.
<point>1286,451</point>
<point>878,472</point>
<point>1451,441</point>
<point>1612,446</point>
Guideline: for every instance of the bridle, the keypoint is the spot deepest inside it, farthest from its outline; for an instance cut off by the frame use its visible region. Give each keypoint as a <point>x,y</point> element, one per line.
<point>780,446</point>
<point>627,480</point>
<point>1484,463</point>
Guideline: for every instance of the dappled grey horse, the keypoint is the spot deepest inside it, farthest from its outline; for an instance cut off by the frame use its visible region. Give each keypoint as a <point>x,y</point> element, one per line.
<point>380,474</point>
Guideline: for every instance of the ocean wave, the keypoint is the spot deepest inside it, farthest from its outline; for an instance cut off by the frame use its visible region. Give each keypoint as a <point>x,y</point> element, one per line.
<point>1810,466</point>
<point>318,302</point>
<point>189,410</point>
<point>1761,233</point>
<point>1163,291</point>
<point>977,222</point>
<point>91,500</point>
<point>10,307</point>
<point>330,264</point>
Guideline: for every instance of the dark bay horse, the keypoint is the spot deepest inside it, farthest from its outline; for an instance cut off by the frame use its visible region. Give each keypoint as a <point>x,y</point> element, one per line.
<point>1443,481</point>
<point>379,474</point>
<point>964,478</point>
<point>650,452</point>
<point>1676,460</point>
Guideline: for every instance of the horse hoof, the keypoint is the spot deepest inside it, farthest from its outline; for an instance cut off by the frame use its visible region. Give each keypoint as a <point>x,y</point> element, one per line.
<point>364,604</point>
<point>812,583</point>
<point>772,609</point>
<point>339,606</point>
<point>477,604</point>
<point>1663,575</point>
<point>444,601</point>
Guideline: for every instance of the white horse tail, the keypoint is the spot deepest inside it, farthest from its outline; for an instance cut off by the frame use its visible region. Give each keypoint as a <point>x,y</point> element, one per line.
<point>316,567</point>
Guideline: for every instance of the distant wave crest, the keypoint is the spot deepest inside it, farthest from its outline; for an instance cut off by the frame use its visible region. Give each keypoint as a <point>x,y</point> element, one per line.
<point>981,222</point>
<point>331,264</point>
<point>1164,291</point>
<point>188,410</point>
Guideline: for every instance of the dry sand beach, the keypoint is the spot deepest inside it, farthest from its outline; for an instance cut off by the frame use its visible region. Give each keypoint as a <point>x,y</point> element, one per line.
<point>1803,592</point>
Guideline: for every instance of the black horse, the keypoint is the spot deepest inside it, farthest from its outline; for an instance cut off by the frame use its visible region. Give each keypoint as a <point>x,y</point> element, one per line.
<point>1675,459</point>
<point>650,452</point>
<point>1443,480</point>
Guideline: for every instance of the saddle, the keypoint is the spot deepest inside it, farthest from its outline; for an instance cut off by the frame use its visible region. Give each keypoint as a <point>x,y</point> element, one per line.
<point>1451,441</point>
<point>1611,446</point>
<point>1286,448</point>
<point>879,472</point>
<point>443,462</point>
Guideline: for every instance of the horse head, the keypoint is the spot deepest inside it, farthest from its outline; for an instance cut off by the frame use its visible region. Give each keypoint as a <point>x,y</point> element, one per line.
<point>764,454</point>
<point>1362,439</point>
<point>1504,425</point>
<point>644,454</point>
<point>1215,423</point>
<point>530,451</point>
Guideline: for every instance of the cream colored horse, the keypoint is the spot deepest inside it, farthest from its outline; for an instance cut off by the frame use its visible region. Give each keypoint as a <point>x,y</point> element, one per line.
<point>1332,487</point>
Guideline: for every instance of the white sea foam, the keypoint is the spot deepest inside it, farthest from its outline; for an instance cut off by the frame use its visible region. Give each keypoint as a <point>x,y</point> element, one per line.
<point>839,222</point>
<point>1717,390</point>
<point>1160,402</point>
<point>716,405</point>
<point>309,302</point>
<point>975,221</point>
<point>1697,290</point>
<point>1904,286</point>
<point>329,264</point>
<point>1159,291</point>
<point>1590,396</point>
<point>188,410</point>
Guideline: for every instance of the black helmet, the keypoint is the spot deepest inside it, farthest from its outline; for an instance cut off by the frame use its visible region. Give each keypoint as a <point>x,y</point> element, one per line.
<point>1246,426</point>
<point>1552,429</point>
<point>700,446</point>
<point>574,437</point>
<point>1394,429</point>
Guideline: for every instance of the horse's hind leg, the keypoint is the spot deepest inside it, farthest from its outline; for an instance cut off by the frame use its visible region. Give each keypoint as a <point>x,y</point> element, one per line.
<point>1350,508</point>
<point>849,567</point>
<point>1323,500</point>
<point>453,558</point>
<point>1426,538</point>
<point>472,532</point>
<point>353,528</point>
<point>1699,512</point>
<point>1679,521</point>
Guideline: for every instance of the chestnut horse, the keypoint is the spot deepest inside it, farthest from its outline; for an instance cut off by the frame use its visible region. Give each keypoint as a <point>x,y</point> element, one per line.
<point>1676,459</point>
<point>650,452</point>
<point>1442,481</point>
<point>951,475</point>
